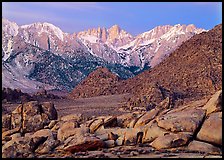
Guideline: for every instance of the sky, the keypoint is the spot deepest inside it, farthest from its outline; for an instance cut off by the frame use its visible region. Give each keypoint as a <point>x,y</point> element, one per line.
<point>134,17</point>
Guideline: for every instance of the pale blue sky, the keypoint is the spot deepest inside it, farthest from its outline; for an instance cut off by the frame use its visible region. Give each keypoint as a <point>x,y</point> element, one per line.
<point>134,17</point>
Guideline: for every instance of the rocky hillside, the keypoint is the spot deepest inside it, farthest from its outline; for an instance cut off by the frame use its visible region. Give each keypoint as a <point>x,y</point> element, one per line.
<point>191,72</point>
<point>34,130</point>
<point>89,87</point>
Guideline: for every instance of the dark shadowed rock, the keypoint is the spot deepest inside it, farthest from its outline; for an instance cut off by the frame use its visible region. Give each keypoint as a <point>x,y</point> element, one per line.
<point>6,121</point>
<point>49,109</point>
<point>125,119</point>
<point>16,148</point>
<point>112,136</point>
<point>14,95</point>
<point>110,122</point>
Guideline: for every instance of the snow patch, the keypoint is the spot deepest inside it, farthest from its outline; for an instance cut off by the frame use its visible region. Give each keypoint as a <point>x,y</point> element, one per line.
<point>8,50</point>
<point>85,43</point>
<point>9,27</point>
<point>131,44</point>
<point>14,78</point>
<point>147,42</point>
<point>90,38</point>
<point>58,32</point>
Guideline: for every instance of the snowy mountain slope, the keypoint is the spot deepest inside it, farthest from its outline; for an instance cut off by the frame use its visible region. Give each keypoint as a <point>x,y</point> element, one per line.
<point>41,53</point>
<point>113,45</point>
<point>153,46</point>
<point>9,30</point>
<point>12,78</point>
<point>30,68</point>
<point>103,42</point>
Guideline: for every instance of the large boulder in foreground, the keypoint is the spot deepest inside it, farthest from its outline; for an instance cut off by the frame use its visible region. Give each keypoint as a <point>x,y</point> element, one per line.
<point>69,129</point>
<point>211,130</point>
<point>49,109</point>
<point>171,140</point>
<point>186,120</point>
<point>83,142</point>
<point>32,116</point>
<point>203,147</point>
<point>151,131</point>
<point>147,117</point>
<point>214,104</point>
<point>17,148</point>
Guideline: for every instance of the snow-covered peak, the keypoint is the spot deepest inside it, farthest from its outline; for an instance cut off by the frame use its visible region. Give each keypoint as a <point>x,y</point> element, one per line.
<point>167,31</point>
<point>115,28</point>
<point>125,34</point>
<point>177,25</point>
<point>113,44</point>
<point>181,29</point>
<point>45,27</point>
<point>152,46</point>
<point>9,27</point>
<point>113,37</point>
<point>155,32</point>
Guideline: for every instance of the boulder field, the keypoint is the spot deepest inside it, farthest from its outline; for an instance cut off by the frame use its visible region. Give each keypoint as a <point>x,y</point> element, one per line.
<point>34,129</point>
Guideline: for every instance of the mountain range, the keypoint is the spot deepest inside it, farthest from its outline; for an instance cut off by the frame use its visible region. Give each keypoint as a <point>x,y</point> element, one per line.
<point>41,55</point>
<point>192,72</point>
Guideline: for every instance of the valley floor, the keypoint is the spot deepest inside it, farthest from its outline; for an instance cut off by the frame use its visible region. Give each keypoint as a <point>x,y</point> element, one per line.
<point>95,106</point>
<point>88,107</point>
